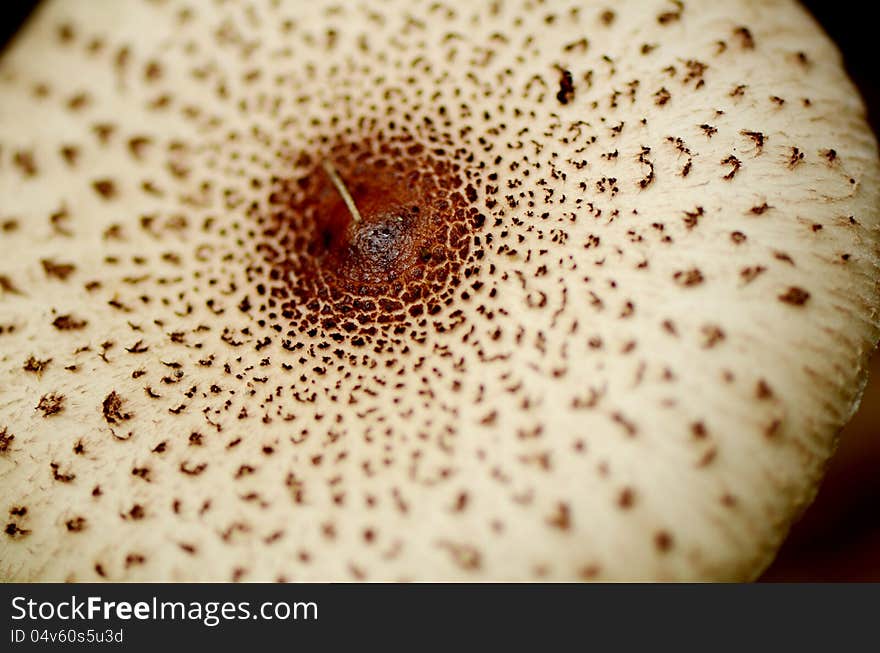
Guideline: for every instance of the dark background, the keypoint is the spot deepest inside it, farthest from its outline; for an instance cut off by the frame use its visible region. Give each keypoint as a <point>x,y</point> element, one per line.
<point>838,538</point>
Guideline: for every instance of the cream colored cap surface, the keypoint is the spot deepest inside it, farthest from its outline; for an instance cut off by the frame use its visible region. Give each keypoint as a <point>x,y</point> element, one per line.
<point>611,297</point>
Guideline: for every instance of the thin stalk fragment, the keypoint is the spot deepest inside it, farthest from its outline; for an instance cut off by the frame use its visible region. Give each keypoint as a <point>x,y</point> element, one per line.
<point>340,186</point>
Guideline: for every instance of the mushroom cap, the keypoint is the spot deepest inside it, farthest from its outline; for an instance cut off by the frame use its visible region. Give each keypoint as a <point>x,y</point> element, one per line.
<point>612,295</point>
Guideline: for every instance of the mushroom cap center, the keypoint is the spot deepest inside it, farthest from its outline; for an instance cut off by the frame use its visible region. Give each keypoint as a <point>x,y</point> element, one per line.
<point>378,245</point>
<point>397,254</point>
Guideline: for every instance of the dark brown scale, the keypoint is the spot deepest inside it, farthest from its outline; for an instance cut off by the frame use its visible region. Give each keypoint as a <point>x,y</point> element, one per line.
<point>399,260</point>
<point>566,87</point>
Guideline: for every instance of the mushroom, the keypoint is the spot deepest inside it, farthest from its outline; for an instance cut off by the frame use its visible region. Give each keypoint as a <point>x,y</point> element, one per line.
<point>434,291</point>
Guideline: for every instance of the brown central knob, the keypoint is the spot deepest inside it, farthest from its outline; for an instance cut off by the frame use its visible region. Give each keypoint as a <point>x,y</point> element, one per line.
<point>371,232</point>
<point>366,221</point>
